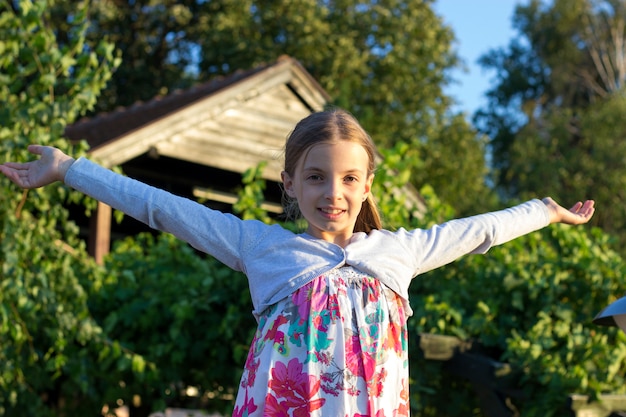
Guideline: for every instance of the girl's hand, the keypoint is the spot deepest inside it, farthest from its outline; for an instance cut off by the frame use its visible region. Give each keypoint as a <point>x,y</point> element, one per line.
<point>50,167</point>
<point>580,213</point>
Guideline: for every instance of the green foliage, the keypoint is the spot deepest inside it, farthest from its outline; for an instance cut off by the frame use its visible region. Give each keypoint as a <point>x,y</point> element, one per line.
<point>392,178</point>
<point>183,319</point>
<point>45,85</point>
<point>250,202</point>
<point>46,332</point>
<point>48,340</point>
<point>383,60</point>
<point>186,319</point>
<point>151,36</point>
<point>530,303</point>
<point>454,166</point>
<point>548,159</point>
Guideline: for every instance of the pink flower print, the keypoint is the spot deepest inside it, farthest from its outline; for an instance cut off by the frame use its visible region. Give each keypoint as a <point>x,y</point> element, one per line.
<point>295,336</point>
<point>301,300</point>
<point>305,411</point>
<point>322,357</point>
<point>379,413</point>
<point>393,339</point>
<point>403,409</point>
<point>247,408</point>
<point>277,336</point>
<point>320,323</point>
<point>358,362</point>
<point>373,293</point>
<point>375,384</point>
<point>296,388</point>
<point>404,394</point>
<point>310,298</point>
<point>290,382</point>
<point>333,307</point>
<point>328,384</point>
<point>251,368</point>
<point>315,298</point>
<point>331,389</point>
<point>319,297</point>
<point>271,334</point>
<point>274,408</point>
<point>279,343</point>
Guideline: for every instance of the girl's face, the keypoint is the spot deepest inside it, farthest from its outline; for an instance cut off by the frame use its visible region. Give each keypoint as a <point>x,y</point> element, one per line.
<point>330,183</point>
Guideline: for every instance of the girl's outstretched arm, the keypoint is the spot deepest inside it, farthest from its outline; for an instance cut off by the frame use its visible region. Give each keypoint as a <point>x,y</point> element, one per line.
<point>50,167</point>
<point>580,212</point>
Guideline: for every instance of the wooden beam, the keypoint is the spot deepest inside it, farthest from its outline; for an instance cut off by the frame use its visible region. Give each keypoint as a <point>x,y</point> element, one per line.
<point>230,198</point>
<point>308,90</point>
<point>229,159</point>
<point>99,243</point>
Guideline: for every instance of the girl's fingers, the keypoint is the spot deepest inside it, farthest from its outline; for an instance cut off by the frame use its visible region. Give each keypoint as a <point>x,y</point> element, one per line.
<point>36,149</point>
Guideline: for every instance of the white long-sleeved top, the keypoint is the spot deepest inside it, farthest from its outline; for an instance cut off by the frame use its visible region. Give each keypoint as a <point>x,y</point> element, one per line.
<point>278,261</point>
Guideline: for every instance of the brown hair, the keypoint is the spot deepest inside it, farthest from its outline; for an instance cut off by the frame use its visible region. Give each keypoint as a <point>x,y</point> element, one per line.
<point>327,127</point>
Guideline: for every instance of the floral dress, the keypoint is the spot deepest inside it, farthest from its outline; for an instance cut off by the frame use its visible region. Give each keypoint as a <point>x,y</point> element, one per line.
<point>336,347</point>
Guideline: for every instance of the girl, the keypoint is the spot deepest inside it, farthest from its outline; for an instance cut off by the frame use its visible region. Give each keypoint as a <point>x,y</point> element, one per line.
<point>332,302</point>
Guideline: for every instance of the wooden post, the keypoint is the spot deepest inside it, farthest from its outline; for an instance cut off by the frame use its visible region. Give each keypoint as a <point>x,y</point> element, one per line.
<point>99,243</point>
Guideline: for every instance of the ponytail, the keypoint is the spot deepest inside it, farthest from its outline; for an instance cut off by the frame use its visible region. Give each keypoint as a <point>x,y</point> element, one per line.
<point>369,217</point>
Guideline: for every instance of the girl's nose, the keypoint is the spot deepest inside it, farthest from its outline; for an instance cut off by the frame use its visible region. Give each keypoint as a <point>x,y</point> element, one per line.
<point>333,191</point>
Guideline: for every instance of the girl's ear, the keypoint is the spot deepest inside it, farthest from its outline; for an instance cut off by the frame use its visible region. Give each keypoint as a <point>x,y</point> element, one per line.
<point>287,184</point>
<point>368,184</point>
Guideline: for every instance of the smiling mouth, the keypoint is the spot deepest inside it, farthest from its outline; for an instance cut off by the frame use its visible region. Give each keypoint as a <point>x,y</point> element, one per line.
<point>331,212</point>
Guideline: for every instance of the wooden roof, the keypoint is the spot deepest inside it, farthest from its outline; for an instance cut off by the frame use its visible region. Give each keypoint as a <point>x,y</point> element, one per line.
<point>231,123</point>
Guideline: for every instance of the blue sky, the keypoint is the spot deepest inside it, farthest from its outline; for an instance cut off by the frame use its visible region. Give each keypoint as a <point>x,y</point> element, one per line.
<point>479,26</point>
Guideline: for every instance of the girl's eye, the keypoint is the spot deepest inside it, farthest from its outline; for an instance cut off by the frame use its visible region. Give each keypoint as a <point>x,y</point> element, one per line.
<point>351,179</point>
<point>314,177</point>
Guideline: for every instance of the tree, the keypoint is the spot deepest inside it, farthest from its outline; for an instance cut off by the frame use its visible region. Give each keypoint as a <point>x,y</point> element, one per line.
<point>152,38</point>
<point>48,339</point>
<point>387,62</point>
<point>547,156</point>
<point>554,114</point>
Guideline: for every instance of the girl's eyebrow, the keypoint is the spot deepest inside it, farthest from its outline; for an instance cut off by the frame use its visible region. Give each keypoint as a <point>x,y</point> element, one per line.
<point>316,169</point>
